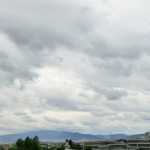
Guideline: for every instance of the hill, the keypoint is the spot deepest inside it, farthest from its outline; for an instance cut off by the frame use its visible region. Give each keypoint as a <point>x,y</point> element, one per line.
<point>57,136</point>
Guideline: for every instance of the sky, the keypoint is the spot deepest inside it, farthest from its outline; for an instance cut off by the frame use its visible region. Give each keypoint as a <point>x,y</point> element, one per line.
<point>75,65</point>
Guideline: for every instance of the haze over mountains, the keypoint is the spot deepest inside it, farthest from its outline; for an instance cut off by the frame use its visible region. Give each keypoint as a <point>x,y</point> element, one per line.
<point>57,136</point>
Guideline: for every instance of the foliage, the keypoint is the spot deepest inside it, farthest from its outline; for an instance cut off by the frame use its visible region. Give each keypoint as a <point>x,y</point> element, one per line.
<point>28,144</point>
<point>70,142</point>
<point>1,148</point>
<point>76,146</point>
<point>61,148</point>
<point>12,148</point>
<point>88,148</point>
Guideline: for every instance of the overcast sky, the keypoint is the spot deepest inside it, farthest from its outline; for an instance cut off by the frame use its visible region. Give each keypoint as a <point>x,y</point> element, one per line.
<point>75,65</point>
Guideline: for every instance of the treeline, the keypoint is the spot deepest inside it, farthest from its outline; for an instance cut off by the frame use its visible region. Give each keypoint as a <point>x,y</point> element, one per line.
<point>34,144</point>
<point>27,144</point>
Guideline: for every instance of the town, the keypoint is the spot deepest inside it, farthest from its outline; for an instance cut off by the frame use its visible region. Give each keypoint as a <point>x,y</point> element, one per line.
<point>141,143</point>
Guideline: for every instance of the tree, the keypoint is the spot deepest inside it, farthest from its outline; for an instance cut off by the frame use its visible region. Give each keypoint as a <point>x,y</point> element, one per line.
<point>28,144</point>
<point>70,142</point>
<point>35,143</point>
<point>1,148</point>
<point>36,139</point>
<point>20,144</point>
<point>76,146</point>
<point>61,148</point>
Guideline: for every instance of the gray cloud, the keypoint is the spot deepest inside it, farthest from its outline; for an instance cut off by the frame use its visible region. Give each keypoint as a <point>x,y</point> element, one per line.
<point>50,27</point>
<point>61,103</point>
<point>114,94</point>
<point>77,61</point>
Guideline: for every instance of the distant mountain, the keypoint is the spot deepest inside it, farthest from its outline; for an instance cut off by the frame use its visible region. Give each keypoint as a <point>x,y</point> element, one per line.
<point>113,136</point>
<point>136,136</point>
<point>57,136</point>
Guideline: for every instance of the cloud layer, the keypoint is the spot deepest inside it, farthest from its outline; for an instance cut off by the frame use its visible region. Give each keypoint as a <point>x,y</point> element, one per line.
<point>75,65</point>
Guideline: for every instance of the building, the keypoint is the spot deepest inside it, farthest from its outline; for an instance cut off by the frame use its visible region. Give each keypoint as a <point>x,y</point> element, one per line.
<point>142,143</point>
<point>5,146</point>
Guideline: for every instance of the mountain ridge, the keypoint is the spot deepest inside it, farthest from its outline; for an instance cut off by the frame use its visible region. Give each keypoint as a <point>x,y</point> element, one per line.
<point>61,136</point>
